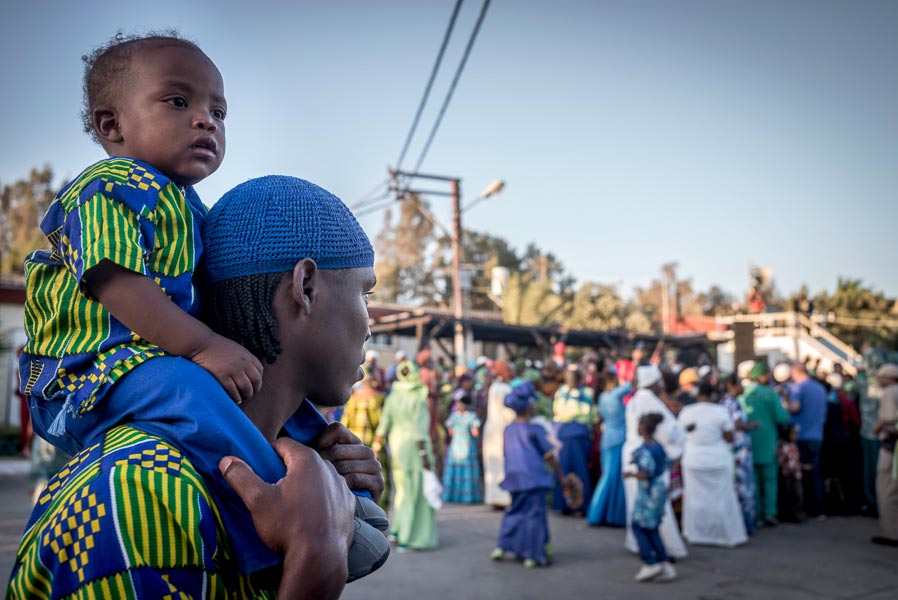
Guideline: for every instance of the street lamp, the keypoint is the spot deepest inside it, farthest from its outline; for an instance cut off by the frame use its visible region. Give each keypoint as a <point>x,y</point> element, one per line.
<point>492,189</point>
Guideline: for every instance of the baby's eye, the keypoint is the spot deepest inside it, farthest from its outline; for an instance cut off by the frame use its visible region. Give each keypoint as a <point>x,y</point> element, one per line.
<point>177,101</point>
<point>218,113</point>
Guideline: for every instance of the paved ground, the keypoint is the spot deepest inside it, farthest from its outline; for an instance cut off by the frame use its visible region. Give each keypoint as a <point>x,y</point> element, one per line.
<point>829,560</point>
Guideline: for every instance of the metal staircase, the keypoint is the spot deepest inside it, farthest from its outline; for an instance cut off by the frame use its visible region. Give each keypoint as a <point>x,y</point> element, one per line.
<point>793,336</point>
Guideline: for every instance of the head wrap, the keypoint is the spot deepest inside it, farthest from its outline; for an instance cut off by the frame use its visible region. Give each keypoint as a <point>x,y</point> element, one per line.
<point>502,369</point>
<point>647,376</point>
<point>624,370</point>
<point>782,372</point>
<point>521,396</point>
<point>889,371</point>
<point>743,369</point>
<point>408,372</point>
<point>688,377</point>
<point>758,370</point>
<point>268,224</point>
<point>460,394</point>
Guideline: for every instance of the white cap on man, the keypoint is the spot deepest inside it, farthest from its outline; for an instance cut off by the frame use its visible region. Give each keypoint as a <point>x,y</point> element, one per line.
<point>647,376</point>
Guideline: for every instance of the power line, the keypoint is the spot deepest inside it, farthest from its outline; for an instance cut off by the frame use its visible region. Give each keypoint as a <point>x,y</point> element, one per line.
<point>458,73</point>
<point>367,198</point>
<point>433,74</point>
<point>377,204</point>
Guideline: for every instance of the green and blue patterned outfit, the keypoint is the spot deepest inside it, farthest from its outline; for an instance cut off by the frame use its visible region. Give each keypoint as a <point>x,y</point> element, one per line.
<point>129,517</point>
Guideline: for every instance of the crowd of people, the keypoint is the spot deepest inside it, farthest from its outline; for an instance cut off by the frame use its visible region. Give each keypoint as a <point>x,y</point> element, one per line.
<point>674,453</point>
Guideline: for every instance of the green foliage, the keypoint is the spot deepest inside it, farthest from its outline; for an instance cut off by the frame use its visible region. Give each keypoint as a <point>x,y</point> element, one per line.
<point>861,314</point>
<point>22,205</point>
<point>405,258</point>
<point>531,300</point>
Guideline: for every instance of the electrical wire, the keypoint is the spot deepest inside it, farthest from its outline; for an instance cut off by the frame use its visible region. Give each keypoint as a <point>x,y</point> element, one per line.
<point>433,74</point>
<point>378,204</point>
<point>451,91</point>
<point>370,195</point>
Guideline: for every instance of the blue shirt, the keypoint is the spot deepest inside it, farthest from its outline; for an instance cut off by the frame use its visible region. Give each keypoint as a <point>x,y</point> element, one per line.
<point>613,412</point>
<point>811,395</point>
<point>526,445</point>
<point>651,498</point>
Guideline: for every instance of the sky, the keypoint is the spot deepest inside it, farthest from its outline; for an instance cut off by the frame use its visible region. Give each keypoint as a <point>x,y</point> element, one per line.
<point>716,134</point>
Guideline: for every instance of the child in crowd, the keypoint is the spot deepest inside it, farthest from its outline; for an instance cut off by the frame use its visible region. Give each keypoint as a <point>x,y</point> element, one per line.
<point>116,292</point>
<point>525,526</point>
<point>461,477</point>
<point>791,504</point>
<point>651,462</point>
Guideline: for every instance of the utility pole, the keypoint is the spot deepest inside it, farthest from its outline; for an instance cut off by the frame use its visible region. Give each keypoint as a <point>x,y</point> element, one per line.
<point>457,249</point>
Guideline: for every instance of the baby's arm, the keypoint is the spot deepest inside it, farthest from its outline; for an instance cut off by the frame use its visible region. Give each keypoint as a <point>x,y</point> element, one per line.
<point>141,305</point>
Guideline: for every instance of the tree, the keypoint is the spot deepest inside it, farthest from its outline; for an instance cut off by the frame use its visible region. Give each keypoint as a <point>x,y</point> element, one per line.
<point>597,306</point>
<point>530,300</point>
<point>716,302</point>
<point>865,312</point>
<point>405,256</point>
<point>23,205</point>
<point>485,252</point>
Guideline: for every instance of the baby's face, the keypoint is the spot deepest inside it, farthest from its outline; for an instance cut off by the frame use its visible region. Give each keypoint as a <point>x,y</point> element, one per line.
<point>172,113</point>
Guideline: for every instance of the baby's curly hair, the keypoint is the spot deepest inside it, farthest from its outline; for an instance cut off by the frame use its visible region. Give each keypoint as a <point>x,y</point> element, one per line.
<point>106,65</point>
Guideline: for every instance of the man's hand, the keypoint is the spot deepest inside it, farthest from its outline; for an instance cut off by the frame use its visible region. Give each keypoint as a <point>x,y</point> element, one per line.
<point>307,516</point>
<point>355,461</point>
<point>235,368</point>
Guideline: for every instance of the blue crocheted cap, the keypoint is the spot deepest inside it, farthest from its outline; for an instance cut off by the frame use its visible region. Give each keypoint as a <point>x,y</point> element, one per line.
<point>267,225</point>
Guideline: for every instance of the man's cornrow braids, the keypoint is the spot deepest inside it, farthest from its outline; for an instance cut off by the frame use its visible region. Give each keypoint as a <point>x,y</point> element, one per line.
<point>241,309</point>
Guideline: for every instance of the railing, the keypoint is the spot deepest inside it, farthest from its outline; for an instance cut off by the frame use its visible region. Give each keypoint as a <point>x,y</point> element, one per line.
<point>799,325</point>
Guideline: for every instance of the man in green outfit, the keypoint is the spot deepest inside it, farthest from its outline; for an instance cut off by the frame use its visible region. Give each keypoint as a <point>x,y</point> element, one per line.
<point>763,406</point>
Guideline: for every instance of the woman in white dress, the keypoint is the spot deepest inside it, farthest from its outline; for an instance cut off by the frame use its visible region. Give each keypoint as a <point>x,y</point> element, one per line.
<point>498,416</point>
<point>711,511</point>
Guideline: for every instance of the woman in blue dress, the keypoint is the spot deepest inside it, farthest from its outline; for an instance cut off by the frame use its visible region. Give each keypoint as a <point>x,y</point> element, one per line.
<point>609,505</point>
<point>574,418</point>
<point>461,477</point>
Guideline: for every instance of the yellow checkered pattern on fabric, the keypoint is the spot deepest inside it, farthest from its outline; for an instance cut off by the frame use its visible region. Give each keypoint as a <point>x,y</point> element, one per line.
<point>71,531</point>
<point>161,458</point>
<point>61,478</point>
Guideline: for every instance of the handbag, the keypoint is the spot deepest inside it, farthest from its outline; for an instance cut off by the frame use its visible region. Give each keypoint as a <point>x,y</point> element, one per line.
<point>433,490</point>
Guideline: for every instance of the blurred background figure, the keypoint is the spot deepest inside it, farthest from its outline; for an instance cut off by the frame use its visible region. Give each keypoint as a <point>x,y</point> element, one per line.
<point>362,417</point>
<point>574,417</point>
<point>461,477</point>
<point>404,425</point>
<point>608,505</point>
<point>498,417</point>
<point>711,512</point>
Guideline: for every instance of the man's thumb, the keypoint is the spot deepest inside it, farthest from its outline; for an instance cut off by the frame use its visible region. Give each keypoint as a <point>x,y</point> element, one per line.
<point>241,477</point>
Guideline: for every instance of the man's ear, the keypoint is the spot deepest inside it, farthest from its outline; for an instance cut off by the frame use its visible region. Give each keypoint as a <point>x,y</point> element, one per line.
<point>107,125</point>
<point>305,285</point>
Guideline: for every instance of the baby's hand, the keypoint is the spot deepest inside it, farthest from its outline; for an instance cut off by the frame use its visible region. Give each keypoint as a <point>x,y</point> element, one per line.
<point>235,368</point>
